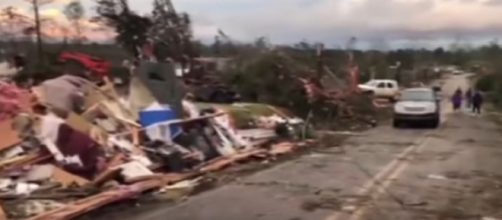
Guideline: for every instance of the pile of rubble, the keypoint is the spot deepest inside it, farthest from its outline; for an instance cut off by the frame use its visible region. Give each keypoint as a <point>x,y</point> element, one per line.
<point>330,100</point>
<point>69,146</point>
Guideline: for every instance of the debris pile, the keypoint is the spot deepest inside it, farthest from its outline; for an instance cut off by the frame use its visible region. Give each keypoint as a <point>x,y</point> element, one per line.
<point>205,84</point>
<point>78,146</point>
<point>12,100</point>
<point>327,100</point>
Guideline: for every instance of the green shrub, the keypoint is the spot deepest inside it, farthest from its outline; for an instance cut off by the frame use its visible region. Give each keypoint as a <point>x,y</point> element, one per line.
<point>495,96</point>
<point>486,83</point>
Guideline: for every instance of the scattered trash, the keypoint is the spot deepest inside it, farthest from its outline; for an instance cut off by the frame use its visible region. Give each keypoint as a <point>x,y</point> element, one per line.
<point>437,177</point>
<point>179,190</point>
<point>347,133</point>
<point>349,208</point>
<point>25,188</point>
<point>317,155</point>
<point>321,203</point>
<point>39,173</point>
<point>282,148</point>
<point>5,183</point>
<point>134,169</point>
<point>415,204</point>
<point>34,207</point>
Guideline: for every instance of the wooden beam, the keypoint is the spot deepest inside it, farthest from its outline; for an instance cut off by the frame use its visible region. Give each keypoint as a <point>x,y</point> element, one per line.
<point>88,204</point>
<point>3,215</point>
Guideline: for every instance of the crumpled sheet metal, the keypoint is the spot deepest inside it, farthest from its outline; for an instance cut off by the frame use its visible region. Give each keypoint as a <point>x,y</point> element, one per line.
<point>65,92</point>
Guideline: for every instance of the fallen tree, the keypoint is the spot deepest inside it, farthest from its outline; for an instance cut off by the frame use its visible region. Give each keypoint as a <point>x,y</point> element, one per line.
<point>275,78</point>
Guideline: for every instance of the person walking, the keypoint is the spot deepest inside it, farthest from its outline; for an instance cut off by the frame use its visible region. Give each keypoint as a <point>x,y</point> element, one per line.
<point>468,98</point>
<point>477,102</point>
<point>457,99</point>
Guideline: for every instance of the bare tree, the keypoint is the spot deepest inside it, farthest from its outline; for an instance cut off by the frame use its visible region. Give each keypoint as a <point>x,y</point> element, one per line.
<point>36,4</point>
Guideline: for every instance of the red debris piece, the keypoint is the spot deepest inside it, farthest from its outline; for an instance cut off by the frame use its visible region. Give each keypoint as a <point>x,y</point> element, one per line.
<point>12,100</point>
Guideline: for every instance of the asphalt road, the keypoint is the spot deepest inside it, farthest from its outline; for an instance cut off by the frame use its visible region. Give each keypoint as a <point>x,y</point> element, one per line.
<point>448,173</point>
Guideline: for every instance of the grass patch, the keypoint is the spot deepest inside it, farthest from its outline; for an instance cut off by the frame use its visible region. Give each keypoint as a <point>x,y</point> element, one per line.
<point>245,114</point>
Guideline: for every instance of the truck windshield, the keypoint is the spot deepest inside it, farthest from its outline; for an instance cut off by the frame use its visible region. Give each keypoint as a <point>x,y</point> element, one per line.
<point>417,96</point>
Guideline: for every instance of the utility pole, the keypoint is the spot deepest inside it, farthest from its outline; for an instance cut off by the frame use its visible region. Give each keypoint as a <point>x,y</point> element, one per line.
<point>320,61</point>
<point>38,31</point>
<point>352,67</point>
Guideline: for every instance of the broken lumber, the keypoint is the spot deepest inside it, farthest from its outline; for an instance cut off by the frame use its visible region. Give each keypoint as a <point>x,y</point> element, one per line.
<point>9,137</point>
<point>105,176</point>
<point>167,179</point>
<point>67,179</point>
<point>43,196</point>
<point>24,160</point>
<point>83,206</point>
<point>3,216</point>
<point>282,148</point>
<point>111,172</point>
<point>224,162</point>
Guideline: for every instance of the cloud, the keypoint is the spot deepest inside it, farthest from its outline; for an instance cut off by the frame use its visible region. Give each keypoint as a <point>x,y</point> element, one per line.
<point>330,21</point>
<point>55,25</point>
<point>333,22</point>
<point>62,1</point>
<point>52,13</point>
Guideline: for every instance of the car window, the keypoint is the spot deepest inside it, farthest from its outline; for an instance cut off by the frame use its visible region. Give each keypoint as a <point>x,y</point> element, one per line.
<point>372,83</point>
<point>381,85</point>
<point>390,85</point>
<point>417,96</point>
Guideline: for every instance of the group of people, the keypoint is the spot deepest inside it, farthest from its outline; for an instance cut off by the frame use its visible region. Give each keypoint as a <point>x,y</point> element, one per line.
<point>473,100</point>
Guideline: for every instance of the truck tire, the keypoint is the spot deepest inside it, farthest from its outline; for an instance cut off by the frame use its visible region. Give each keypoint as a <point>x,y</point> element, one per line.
<point>435,123</point>
<point>397,123</point>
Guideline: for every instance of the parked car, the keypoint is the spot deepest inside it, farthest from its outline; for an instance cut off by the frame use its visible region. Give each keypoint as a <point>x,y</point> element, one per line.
<point>417,105</point>
<point>385,88</point>
<point>417,84</point>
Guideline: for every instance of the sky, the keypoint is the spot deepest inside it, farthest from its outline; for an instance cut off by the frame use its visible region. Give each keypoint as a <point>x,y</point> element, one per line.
<point>377,24</point>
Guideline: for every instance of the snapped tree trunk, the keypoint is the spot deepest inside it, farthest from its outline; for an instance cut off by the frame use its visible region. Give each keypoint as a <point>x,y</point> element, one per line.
<point>38,31</point>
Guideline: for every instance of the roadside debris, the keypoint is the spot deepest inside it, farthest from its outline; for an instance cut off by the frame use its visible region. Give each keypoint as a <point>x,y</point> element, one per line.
<point>349,208</point>
<point>328,203</point>
<point>178,190</point>
<point>75,145</point>
<point>437,177</point>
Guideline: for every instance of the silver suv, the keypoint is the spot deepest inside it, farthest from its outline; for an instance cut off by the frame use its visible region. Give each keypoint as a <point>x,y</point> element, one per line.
<point>417,105</point>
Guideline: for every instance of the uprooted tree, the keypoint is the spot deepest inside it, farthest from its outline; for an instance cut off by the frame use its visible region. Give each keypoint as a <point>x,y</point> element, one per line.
<point>131,28</point>
<point>274,77</point>
<point>168,31</point>
<point>171,33</point>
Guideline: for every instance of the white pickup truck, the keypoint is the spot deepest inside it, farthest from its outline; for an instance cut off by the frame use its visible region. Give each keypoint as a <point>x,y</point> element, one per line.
<point>385,88</point>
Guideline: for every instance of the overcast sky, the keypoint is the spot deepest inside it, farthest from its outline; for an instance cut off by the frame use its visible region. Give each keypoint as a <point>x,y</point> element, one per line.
<point>376,23</point>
